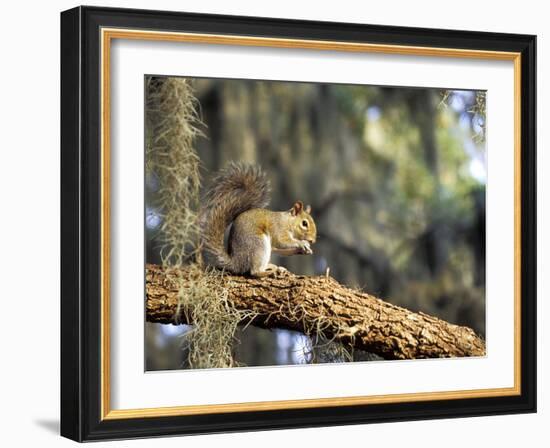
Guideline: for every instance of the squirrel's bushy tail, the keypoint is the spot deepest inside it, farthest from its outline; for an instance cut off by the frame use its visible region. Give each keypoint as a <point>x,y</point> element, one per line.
<point>237,188</point>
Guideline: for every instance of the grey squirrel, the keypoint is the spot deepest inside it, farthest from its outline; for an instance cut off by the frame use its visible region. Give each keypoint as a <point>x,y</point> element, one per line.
<point>238,196</point>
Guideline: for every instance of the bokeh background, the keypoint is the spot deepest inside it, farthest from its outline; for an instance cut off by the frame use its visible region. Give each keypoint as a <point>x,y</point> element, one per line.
<point>396,180</point>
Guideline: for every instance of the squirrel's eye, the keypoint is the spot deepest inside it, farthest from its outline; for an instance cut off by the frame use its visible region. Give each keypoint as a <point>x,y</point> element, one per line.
<point>304,223</point>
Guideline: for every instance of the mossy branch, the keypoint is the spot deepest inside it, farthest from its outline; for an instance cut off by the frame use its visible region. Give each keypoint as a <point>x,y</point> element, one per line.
<point>318,305</point>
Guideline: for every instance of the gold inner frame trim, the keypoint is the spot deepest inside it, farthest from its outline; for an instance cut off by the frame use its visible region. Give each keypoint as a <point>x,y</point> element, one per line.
<point>107,35</point>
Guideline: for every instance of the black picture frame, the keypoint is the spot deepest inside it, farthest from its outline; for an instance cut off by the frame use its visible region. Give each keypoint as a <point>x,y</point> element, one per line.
<point>81,214</point>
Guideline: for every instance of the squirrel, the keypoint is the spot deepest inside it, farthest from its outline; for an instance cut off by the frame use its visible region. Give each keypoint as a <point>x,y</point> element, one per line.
<point>238,197</point>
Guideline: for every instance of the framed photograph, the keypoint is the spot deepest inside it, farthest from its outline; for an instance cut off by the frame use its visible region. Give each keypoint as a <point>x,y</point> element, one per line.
<point>275,224</point>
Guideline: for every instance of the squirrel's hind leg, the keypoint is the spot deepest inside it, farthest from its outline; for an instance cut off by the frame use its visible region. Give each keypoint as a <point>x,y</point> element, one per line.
<point>260,265</point>
<point>260,274</point>
<point>270,270</point>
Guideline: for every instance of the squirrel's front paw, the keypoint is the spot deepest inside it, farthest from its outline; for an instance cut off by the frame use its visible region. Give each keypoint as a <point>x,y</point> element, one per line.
<point>305,248</point>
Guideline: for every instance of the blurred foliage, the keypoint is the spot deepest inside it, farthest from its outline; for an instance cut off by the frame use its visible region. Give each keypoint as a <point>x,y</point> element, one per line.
<point>396,179</point>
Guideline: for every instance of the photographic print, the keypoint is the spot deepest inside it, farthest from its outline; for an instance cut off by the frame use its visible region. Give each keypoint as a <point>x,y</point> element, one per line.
<point>292,223</point>
<point>271,224</point>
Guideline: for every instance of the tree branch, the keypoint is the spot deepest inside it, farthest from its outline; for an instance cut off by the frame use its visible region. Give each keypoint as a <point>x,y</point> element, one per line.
<point>320,304</point>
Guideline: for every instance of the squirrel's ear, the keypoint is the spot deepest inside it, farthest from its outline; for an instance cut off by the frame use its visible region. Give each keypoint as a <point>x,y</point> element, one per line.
<point>297,208</point>
<point>308,209</point>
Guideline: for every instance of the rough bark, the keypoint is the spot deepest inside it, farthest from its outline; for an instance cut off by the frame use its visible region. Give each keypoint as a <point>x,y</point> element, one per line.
<point>313,304</point>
